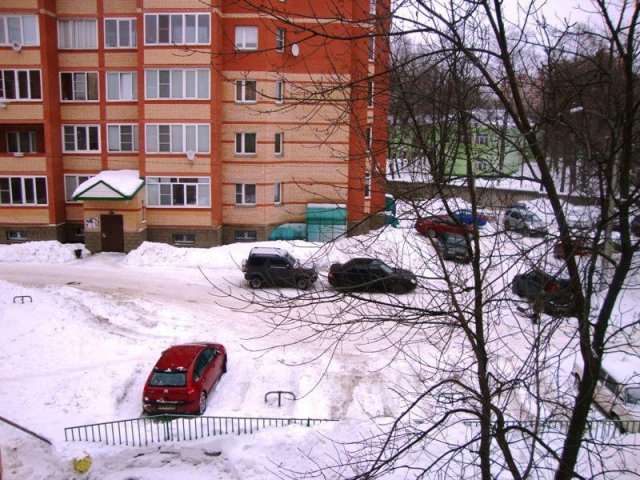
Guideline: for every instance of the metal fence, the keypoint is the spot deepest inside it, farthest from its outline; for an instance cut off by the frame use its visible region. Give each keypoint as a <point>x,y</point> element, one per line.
<point>167,428</point>
<point>596,428</point>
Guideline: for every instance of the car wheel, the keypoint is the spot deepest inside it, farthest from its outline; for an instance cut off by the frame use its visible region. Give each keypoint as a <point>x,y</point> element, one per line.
<point>302,283</point>
<point>396,288</point>
<point>255,282</point>
<point>203,402</point>
<point>431,233</point>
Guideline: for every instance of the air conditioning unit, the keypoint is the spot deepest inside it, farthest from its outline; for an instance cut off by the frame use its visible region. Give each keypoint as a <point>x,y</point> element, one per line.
<point>16,46</point>
<point>18,154</point>
<point>191,155</point>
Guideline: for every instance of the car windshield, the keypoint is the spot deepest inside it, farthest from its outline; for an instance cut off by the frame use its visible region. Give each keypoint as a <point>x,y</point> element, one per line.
<point>632,395</point>
<point>456,241</point>
<point>291,259</point>
<point>532,217</point>
<point>168,379</point>
<point>384,267</point>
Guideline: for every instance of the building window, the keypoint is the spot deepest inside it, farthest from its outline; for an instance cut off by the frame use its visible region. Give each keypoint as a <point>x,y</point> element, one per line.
<point>177,138</point>
<point>277,193</point>
<point>372,47</point>
<point>16,236</point>
<point>78,86</point>
<point>78,232</point>
<point>367,185</point>
<point>120,33</point>
<point>20,29</point>
<point>246,38</point>
<point>369,138</point>
<point>246,143</point>
<point>178,191</point>
<point>278,142</point>
<point>20,84</point>
<point>279,39</point>
<point>122,138</point>
<point>245,235</point>
<point>81,138</point>
<point>184,239</point>
<point>245,193</point>
<point>177,84</point>
<point>370,93</point>
<point>482,165</point>
<point>71,182</point>
<point>122,86</point>
<point>176,29</point>
<point>482,139</point>
<point>246,91</point>
<point>279,96</point>
<point>77,34</point>
<point>21,142</point>
<point>23,191</point>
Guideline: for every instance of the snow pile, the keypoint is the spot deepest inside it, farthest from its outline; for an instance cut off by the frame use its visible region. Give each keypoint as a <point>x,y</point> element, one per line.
<point>50,251</point>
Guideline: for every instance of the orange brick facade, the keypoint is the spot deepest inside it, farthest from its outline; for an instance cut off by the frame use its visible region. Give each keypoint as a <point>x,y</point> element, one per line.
<point>287,99</point>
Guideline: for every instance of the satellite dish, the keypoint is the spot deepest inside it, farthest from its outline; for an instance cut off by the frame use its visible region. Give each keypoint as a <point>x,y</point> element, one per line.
<point>191,154</point>
<point>295,50</point>
<point>16,46</point>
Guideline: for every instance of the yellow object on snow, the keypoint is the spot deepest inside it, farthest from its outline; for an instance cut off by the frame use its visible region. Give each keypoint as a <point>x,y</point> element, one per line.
<point>82,465</point>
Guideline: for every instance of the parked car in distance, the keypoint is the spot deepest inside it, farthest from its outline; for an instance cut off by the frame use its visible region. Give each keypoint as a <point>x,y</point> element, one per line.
<point>548,294</point>
<point>441,224</point>
<point>371,274</point>
<point>454,247</point>
<point>524,221</point>
<point>183,378</point>
<point>617,393</point>
<point>576,221</point>
<point>276,267</point>
<point>581,246</point>
<point>465,215</point>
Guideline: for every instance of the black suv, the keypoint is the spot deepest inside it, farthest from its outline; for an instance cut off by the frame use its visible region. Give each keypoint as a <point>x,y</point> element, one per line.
<point>546,292</point>
<point>276,267</point>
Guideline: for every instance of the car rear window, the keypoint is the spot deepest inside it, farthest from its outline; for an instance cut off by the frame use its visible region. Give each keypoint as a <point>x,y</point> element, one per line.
<point>168,379</point>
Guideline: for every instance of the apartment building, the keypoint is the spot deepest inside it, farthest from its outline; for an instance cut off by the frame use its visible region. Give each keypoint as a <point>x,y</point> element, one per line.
<point>188,122</point>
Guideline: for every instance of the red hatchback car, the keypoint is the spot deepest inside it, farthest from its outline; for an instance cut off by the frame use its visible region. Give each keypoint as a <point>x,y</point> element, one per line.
<point>439,224</point>
<point>183,378</point>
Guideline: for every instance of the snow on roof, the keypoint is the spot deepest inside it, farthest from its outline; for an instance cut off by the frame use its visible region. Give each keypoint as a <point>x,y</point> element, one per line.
<point>125,182</point>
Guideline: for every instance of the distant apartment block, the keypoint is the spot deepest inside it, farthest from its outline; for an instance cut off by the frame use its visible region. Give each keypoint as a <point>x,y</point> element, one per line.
<point>228,118</point>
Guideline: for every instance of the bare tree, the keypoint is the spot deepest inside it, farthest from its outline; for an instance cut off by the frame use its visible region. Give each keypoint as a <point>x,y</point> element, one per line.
<point>484,393</point>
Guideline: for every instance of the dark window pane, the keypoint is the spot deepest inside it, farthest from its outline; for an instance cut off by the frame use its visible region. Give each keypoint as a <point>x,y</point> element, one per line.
<point>178,194</point>
<point>29,193</point>
<point>16,190</point>
<point>9,84</point>
<point>41,190</point>
<point>111,27</point>
<point>93,138</point>
<point>23,84</point>
<point>92,86</point>
<point>150,29</point>
<point>34,84</point>
<point>163,28</point>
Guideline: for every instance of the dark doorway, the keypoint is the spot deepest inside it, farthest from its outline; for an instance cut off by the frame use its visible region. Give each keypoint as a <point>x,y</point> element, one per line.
<point>112,233</point>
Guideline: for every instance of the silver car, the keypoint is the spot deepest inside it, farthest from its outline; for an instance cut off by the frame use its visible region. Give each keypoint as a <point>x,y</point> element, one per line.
<point>524,221</point>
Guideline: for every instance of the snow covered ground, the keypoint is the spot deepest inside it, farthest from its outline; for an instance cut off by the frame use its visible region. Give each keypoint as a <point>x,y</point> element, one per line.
<point>81,351</point>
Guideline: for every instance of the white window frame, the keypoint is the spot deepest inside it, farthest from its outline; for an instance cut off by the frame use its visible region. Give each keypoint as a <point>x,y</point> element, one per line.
<point>198,129</point>
<point>241,194</point>
<point>161,189</point>
<point>133,79</point>
<point>241,91</point>
<point>172,38</point>
<point>112,128</point>
<point>34,181</point>
<point>372,7</point>
<point>279,92</point>
<point>241,37</point>
<point>78,128</point>
<point>21,36</point>
<point>26,143</point>
<point>80,78</point>
<point>131,24</point>
<point>71,182</point>
<point>277,193</point>
<point>77,39</point>
<point>482,138</point>
<point>369,138</point>
<point>241,143</point>
<point>183,239</point>
<point>278,143</point>
<point>280,40</point>
<point>178,81</point>
<point>15,74</point>
<point>367,184</point>
<point>16,236</point>
<point>245,235</point>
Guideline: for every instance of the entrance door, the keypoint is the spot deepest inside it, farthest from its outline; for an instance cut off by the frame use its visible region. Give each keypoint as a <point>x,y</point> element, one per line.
<point>112,233</point>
